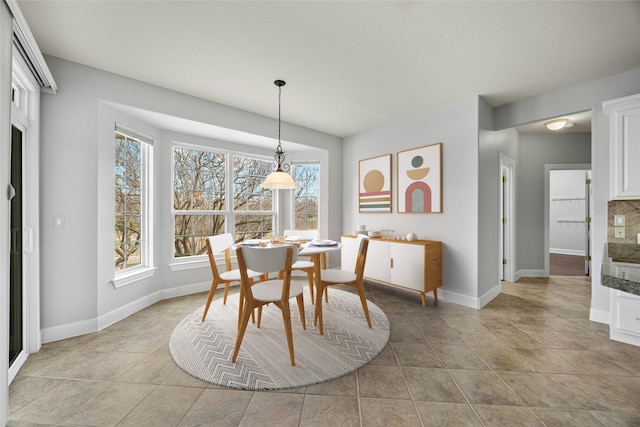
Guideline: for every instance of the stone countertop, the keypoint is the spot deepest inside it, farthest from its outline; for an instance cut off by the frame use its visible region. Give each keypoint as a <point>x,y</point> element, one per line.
<point>621,276</point>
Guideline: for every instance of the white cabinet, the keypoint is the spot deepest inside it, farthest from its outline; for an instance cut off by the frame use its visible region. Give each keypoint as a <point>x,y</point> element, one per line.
<point>625,317</point>
<point>624,146</point>
<point>415,265</point>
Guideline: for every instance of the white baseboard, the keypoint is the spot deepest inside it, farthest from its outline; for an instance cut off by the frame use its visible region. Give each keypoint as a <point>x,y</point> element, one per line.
<point>561,251</point>
<point>69,330</point>
<point>600,316</point>
<point>488,296</point>
<point>529,273</point>
<point>457,298</point>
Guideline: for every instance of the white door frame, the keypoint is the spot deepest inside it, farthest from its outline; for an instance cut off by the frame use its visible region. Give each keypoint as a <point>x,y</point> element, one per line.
<point>507,218</point>
<point>25,116</point>
<point>547,172</point>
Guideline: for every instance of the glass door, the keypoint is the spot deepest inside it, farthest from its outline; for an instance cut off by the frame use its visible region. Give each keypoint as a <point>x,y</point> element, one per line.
<point>16,286</point>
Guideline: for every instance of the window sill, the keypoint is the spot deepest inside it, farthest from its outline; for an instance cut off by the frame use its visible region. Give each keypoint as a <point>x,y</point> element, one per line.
<point>128,278</point>
<point>189,264</point>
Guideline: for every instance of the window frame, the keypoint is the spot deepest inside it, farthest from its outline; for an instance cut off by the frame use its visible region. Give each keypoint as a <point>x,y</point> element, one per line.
<point>292,209</point>
<point>146,267</point>
<point>199,261</point>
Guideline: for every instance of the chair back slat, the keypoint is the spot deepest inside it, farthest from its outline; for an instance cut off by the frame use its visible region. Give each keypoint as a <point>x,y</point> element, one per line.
<point>363,246</point>
<point>267,260</point>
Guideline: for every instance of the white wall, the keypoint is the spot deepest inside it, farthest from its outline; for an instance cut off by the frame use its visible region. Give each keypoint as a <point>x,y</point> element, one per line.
<point>535,152</point>
<point>567,205</point>
<point>77,129</point>
<point>456,126</point>
<point>587,96</point>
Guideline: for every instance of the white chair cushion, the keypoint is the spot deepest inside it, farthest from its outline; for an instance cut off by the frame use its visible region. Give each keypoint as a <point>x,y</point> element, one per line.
<point>271,290</point>
<point>299,265</point>
<point>337,276</point>
<point>234,275</point>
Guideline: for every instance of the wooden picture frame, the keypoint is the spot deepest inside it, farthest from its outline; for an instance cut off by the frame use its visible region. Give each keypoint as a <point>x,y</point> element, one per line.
<point>419,179</point>
<point>374,185</point>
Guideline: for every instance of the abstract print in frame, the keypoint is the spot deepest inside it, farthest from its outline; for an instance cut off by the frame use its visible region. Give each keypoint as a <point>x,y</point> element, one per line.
<point>420,179</point>
<point>374,193</point>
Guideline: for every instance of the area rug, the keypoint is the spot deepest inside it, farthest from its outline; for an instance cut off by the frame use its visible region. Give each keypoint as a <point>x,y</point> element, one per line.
<point>204,349</point>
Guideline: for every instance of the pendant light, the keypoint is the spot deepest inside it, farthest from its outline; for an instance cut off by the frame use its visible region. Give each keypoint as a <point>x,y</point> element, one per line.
<point>279,179</point>
<point>556,125</point>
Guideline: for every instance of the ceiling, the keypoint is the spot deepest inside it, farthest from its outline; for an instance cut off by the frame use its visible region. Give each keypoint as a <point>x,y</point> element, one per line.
<point>349,66</point>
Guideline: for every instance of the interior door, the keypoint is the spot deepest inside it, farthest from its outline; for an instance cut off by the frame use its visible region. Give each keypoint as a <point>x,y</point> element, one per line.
<point>16,282</point>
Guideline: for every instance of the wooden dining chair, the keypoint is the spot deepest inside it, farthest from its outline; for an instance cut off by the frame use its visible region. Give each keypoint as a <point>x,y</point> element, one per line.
<point>302,265</point>
<point>276,291</point>
<point>222,243</point>
<point>330,277</point>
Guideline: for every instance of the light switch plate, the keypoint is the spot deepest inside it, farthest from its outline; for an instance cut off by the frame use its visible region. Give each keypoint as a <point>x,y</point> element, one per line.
<point>619,220</point>
<point>619,232</point>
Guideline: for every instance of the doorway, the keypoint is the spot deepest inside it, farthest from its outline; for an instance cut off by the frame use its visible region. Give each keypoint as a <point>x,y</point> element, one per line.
<point>567,220</point>
<point>16,283</point>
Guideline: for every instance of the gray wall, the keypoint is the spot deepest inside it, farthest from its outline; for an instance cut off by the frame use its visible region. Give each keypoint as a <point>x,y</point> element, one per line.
<point>535,152</point>
<point>456,126</point>
<point>583,97</point>
<point>491,144</point>
<point>76,133</point>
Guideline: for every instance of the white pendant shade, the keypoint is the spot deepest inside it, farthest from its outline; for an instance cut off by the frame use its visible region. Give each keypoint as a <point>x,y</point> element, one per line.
<point>279,181</point>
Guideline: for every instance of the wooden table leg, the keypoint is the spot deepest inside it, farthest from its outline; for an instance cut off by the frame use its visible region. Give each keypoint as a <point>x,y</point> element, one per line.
<point>316,277</point>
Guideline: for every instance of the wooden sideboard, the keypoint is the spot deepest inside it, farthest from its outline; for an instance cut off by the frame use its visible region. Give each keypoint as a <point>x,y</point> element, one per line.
<point>414,265</point>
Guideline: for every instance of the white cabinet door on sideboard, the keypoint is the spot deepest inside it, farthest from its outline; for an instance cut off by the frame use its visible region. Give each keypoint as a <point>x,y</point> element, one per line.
<point>415,265</point>
<point>624,146</point>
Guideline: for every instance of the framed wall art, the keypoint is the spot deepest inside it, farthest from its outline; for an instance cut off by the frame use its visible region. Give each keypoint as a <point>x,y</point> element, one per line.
<point>420,179</point>
<point>374,192</point>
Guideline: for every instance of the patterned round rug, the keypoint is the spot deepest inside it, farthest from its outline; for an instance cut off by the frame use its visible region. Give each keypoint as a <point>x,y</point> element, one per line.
<point>204,349</point>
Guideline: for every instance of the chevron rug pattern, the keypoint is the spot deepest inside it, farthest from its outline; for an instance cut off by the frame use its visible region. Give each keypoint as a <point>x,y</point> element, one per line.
<point>204,349</point>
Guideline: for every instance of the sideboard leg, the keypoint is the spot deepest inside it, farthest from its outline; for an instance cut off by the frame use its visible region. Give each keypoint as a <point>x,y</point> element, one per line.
<point>435,296</point>
<point>424,300</point>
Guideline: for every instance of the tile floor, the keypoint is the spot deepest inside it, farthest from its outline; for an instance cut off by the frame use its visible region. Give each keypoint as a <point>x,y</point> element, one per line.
<point>530,357</point>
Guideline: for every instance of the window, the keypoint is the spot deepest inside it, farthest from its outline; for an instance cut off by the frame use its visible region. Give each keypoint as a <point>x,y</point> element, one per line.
<point>216,192</point>
<point>306,196</point>
<point>252,205</point>
<point>199,198</point>
<point>132,195</point>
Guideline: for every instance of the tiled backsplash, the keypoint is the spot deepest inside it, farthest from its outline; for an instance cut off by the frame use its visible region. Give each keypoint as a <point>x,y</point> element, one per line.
<point>624,249</point>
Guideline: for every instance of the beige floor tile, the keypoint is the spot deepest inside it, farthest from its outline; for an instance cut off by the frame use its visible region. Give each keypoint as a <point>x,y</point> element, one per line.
<point>539,390</point>
<point>501,416</point>
<point>484,387</point>
<point>589,390</point>
<point>388,413</point>
<point>386,382</point>
<point>416,354</point>
<point>386,357</point>
<point>616,419</point>
<point>60,402</point>
<point>345,385</point>
<point>454,356</point>
<point>25,389</point>
<point>109,406</point>
<point>152,369</point>
<point>432,384</point>
<point>321,411</point>
<point>267,408</point>
<point>217,407</point>
<point>441,414</point>
<point>566,417</point>
<point>164,406</point>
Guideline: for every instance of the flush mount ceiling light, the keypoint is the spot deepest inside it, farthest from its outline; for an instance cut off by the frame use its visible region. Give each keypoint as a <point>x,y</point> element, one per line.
<point>556,124</point>
<point>279,179</point>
